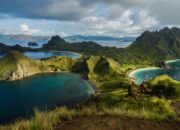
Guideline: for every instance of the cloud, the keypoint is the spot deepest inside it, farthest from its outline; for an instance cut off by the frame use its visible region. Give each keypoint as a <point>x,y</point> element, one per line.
<point>25,29</point>
<point>94,17</point>
<point>167,11</point>
<point>45,9</point>
<point>129,23</point>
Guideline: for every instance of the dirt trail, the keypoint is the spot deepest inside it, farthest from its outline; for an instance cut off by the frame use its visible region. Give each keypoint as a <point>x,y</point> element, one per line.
<point>116,123</point>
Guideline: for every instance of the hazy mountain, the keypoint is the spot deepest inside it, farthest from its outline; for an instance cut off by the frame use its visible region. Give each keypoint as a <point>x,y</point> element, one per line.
<point>22,37</point>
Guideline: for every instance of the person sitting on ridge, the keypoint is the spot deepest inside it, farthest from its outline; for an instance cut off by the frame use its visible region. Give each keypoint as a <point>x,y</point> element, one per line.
<point>142,87</point>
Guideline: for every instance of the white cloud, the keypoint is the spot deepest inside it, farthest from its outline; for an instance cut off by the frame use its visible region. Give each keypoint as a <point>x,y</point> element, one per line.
<point>146,20</point>
<point>25,29</point>
<point>129,23</point>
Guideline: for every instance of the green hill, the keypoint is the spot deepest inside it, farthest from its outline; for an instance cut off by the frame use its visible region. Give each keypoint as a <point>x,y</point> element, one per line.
<point>16,66</point>
<point>163,45</point>
<point>97,68</point>
<point>165,86</point>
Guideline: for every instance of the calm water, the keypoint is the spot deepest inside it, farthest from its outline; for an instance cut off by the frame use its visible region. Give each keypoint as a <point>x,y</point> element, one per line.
<point>24,43</point>
<point>114,43</point>
<point>19,98</point>
<point>149,73</point>
<point>47,54</point>
<point>174,63</point>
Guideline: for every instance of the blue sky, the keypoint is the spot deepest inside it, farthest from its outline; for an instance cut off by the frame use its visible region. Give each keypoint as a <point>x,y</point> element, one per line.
<point>87,17</point>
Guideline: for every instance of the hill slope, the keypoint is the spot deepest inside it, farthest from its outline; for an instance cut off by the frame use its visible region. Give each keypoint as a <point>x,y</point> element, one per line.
<point>164,44</point>
<point>16,66</point>
<point>97,67</point>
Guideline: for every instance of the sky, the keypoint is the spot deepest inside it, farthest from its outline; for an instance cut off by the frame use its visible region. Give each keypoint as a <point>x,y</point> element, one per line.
<point>87,17</point>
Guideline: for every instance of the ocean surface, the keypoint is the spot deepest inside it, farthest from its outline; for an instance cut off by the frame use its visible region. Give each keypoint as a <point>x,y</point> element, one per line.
<point>42,91</point>
<point>24,43</point>
<point>47,54</point>
<point>174,63</point>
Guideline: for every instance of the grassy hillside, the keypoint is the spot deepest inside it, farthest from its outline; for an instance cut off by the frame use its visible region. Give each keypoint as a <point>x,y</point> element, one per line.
<point>98,68</point>
<point>16,66</point>
<point>165,86</point>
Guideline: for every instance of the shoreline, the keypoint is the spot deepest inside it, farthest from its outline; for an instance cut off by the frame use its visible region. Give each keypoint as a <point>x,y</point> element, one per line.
<point>94,86</point>
<point>137,70</point>
<point>170,61</point>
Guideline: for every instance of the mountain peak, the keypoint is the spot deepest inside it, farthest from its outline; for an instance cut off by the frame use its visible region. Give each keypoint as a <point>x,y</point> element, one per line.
<point>57,39</point>
<point>163,44</point>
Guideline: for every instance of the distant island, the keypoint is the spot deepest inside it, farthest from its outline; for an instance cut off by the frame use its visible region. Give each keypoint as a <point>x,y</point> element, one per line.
<point>32,44</point>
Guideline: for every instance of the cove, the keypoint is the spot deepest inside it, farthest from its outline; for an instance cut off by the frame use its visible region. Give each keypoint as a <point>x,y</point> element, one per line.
<point>149,73</point>
<point>173,63</point>
<point>42,91</point>
<point>47,54</point>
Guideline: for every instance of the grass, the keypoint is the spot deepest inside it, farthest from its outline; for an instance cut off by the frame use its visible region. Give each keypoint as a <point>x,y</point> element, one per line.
<point>159,110</point>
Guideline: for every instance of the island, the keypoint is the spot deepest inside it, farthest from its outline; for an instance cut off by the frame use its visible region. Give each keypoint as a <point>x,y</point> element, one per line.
<point>32,44</point>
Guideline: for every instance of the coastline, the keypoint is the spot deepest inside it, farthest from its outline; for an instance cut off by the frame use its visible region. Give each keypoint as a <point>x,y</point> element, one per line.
<point>94,87</point>
<point>137,70</point>
<point>170,61</point>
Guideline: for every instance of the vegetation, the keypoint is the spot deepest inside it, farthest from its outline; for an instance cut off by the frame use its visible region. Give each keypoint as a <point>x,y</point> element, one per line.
<point>165,86</point>
<point>15,66</point>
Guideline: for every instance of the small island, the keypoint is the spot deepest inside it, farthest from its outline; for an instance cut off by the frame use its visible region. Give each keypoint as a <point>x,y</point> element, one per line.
<point>32,44</point>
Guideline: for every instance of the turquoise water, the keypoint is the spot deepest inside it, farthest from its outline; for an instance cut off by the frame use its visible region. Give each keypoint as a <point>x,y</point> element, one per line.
<point>47,54</point>
<point>149,73</point>
<point>174,63</point>
<point>19,98</point>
